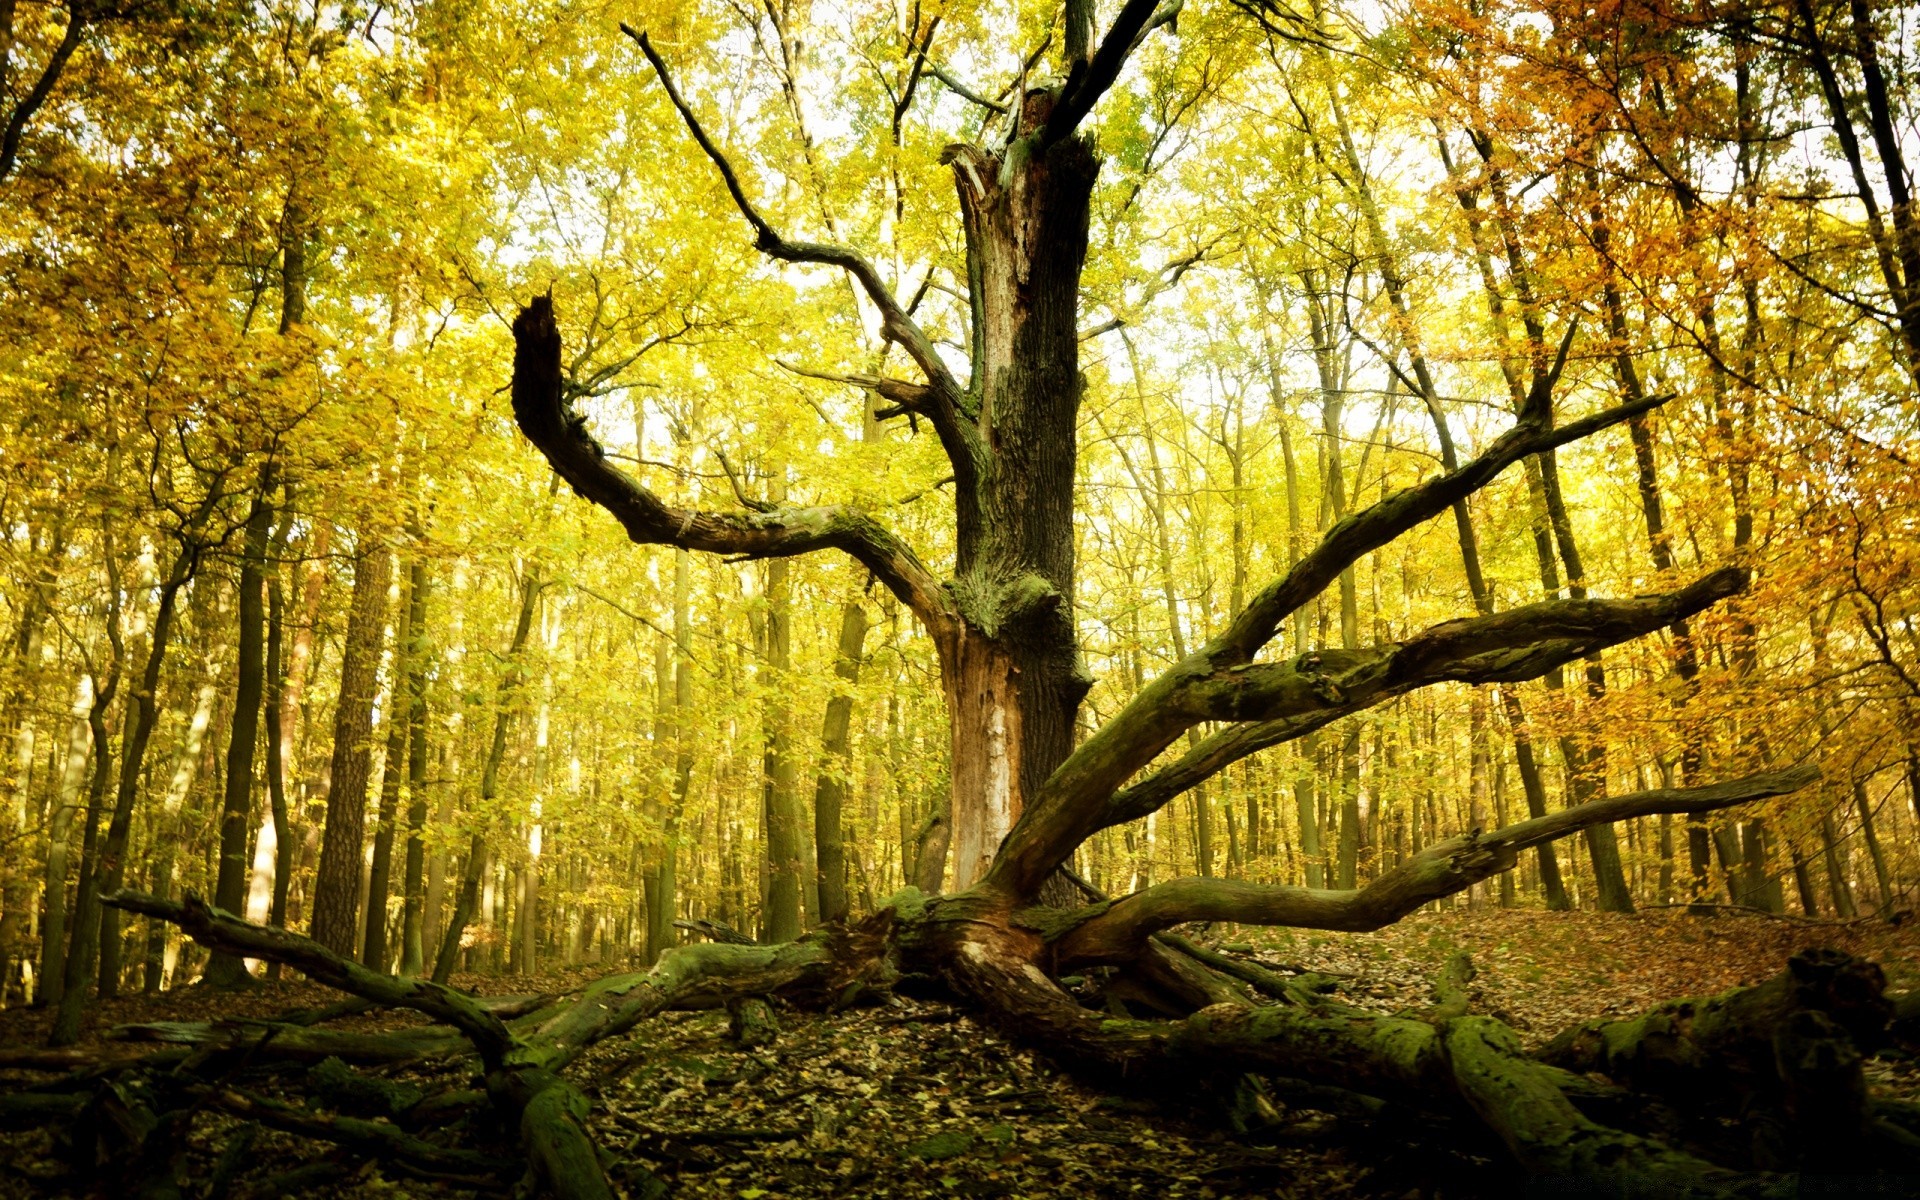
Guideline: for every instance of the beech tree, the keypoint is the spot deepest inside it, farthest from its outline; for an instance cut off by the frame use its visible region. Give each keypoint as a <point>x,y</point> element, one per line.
<point>1024,795</point>
<point>1003,916</point>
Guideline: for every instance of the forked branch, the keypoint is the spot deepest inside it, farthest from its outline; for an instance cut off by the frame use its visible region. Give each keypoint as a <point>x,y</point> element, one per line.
<point>561,434</point>
<point>1114,932</point>
<point>1089,80</point>
<point>896,324</point>
<point>1276,702</point>
<point>1219,681</point>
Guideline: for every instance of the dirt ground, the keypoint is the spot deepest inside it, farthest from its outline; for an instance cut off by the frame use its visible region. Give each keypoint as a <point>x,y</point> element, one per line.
<point>919,1100</point>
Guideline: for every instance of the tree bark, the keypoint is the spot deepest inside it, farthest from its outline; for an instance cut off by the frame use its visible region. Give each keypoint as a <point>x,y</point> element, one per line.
<point>236,812</point>
<point>412,890</point>
<point>336,889</point>
<point>830,793</point>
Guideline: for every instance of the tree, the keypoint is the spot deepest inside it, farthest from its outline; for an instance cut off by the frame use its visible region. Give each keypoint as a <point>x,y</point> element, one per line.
<point>336,891</point>
<point>1024,796</point>
<point>1007,550</point>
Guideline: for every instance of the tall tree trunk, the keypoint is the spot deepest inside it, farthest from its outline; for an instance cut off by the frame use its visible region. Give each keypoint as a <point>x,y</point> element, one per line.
<point>279,722</point>
<point>142,716</point>
<point>336,889</point>
<point>230,887</point>
<point>393,768</point>
<point>167,822</point>
<point>85,943</point>
<point>467,900</point>
<point>412,887</point>
<point>1011,671</point>
<point>781,919</point>
<point>830,793</point>
<point>66,805</point>
<point>663,877</point>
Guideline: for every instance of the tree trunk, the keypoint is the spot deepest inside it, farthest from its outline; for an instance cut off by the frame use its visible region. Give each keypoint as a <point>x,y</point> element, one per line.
<point>336,889</point>
<point>1011,671</point>
<point>166,834</point>
<point>830,793</point>
<point>230,887</point>
<point>142,716</point>
<point>467,900</point>
<point>66,805</point>
<point>412,889</point>
<point>780,920</point>
<point>374,952</point>
<point>279,723</point>
<point>84,943</point>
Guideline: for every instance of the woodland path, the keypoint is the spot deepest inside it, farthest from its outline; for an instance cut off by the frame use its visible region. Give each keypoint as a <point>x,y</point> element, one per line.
<point>920,1100</point>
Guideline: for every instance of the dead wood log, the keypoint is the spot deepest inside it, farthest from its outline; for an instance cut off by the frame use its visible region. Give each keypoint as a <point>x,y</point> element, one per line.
<point>301,1044</point>
<point>375,1137</point>
<point>1459,1066</point>
<point>524,1065</point>
<point>1687,1046</point>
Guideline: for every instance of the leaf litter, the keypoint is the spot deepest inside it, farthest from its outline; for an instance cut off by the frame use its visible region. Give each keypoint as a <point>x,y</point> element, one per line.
<point>919,1099</point>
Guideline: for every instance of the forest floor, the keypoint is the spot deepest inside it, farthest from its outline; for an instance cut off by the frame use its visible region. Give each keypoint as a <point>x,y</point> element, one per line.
<point>919,1100</point>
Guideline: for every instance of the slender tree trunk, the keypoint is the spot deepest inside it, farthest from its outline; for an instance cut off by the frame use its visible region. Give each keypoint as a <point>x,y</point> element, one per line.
<point>374,952</point>
<point>1838,887</point>
<point>467,900</point>
<point>412,940</point>
<point>830,793</point>
<point>279,722</point>
<point>84,945</point>
<point>142,716</point>
<point>336,889</point>
<point>663,880</point>
<point>781,921</point>
<point>230,887</point>
<point>167,822</point>
<point>66,805</point>
<point>1883,880</point>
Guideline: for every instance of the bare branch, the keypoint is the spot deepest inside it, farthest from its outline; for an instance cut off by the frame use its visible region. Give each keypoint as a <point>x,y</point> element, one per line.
<point>1381,522</point>
<point>1114,932</point>
<point>16,127</point>
<point>1090,80</point>
<point>896,325</point>
<point>1282,701</point>
<point>1072,804</point>
<point>963,91</point>
<point>911,397</point>
<point>576,457</point>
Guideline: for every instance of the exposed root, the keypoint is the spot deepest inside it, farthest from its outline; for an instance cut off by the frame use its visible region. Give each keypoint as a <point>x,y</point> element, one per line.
<point>1783,1057</point>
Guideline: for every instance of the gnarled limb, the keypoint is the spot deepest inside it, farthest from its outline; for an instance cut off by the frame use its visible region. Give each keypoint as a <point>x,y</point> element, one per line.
<point>897,324</point>
<point>1072,804</point>
<point>524,1064</point>
<point>218,930</point>
<point>1276,703</point>
<point>560,434</point>
<point>1454,1066</point>
<point>1113,932</point>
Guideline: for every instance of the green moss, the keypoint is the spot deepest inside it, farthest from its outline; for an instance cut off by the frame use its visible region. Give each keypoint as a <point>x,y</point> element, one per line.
<point>908,904</point>
<point>951,1143</point>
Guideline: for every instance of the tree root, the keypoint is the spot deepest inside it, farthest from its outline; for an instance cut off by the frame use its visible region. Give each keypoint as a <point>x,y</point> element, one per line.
<point>523,1064</point>
<point>1784,1055</point>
